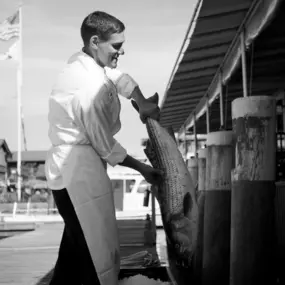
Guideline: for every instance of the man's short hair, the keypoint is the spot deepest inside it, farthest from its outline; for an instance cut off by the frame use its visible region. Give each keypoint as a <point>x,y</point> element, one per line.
<point>101,24</point>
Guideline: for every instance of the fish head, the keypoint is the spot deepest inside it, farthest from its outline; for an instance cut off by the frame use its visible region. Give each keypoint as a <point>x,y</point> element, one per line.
<point>180,271</point>
<point>182,227</point>
<point>180,238</point>
<point>181,246</point>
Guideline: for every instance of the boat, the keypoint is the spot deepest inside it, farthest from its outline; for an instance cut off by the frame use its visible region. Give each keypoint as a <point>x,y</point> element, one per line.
<point>130,193</point>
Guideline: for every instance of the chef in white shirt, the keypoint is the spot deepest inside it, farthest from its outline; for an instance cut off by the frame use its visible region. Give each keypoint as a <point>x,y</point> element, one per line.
<point>84,110</point>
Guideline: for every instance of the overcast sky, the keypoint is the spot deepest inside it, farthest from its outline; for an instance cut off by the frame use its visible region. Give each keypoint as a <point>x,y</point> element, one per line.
<point>51,33</point>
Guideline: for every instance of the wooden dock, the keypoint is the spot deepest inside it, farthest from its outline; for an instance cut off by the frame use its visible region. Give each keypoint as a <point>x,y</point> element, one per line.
<point>28,258</point>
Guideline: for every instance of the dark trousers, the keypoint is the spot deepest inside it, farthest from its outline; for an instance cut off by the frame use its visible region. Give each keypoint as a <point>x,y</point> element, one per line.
<point>74,265</point>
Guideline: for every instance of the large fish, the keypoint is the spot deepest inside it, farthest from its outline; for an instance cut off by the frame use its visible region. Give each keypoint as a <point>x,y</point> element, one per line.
<point>177,200</point>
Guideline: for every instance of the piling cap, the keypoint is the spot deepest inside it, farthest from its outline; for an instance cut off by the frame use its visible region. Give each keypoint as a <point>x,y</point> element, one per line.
<point>192,162</point>
<point>253,106</point>
<point>220,138</point>
<point>202,153</point>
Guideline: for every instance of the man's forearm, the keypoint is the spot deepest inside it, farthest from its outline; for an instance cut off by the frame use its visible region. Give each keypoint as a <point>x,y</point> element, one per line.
<point>132,163</point>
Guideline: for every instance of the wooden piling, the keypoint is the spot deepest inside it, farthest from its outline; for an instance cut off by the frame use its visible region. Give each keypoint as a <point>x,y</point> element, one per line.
<point>216,248</point>
<point>201,202</point>
<point>280,229</point>
<point>192,165</point>
<point>253,191</point>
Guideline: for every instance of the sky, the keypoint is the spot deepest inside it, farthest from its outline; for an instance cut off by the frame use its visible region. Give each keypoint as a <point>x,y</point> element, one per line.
<point>154,33</point>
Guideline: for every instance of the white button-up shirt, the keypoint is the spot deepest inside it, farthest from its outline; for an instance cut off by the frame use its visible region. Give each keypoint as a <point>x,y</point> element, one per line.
<point>84,109</point>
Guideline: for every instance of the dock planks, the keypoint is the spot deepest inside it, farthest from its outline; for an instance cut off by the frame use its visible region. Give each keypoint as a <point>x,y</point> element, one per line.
<point>28,258</point>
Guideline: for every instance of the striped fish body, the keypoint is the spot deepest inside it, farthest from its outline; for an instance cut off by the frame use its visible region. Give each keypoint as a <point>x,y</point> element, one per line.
<point>177,200</point>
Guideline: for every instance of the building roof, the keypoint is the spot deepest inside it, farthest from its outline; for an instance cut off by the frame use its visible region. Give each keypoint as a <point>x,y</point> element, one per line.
<point>211,55</point>
<point>30,156</point>
<point>4,145</point>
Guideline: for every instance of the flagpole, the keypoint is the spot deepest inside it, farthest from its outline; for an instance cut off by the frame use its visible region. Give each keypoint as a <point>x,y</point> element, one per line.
<point>19,105</point>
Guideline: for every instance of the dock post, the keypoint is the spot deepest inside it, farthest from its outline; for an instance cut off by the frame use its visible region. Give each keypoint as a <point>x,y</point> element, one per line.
<point>217,212</point>
<point>14,209</point>
<point>253,191</point>
<point>201,202</point>
<point>28,207</point>
<point>280,229</point>
<point>192,165</point>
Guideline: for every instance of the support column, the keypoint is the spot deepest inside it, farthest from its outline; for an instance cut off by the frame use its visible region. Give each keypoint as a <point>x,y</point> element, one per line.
<point>195,137</point>
<point>280,229</point>
<point>192,165</point>
<point>202,154</point>
<point>185,144</point>
<point>201,202</point>
<point>208,116</point>
<point>216,248</point>
<point>280,218</point>
<point>253,191</point>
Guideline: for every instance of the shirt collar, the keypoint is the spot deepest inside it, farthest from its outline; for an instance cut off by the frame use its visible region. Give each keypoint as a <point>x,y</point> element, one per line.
<point>87,61</point>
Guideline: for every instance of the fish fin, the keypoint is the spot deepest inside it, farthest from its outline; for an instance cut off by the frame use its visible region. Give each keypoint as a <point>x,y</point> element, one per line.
<point>135,105</point>
<point>187,203</point>
<point>171,133</point>
<point>154,98</point>
<point>151,155</point>
<point>148,150</point>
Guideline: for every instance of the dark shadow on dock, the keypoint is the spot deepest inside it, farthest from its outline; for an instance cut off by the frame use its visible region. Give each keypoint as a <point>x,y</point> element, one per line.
<point>45,279</point>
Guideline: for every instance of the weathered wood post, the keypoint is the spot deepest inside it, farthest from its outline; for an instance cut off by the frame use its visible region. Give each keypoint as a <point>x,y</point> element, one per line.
<point>217,213</point>
<point>280,229</point>
<point>253,190</point>
<point>201,202</point>
<point>192,165</point>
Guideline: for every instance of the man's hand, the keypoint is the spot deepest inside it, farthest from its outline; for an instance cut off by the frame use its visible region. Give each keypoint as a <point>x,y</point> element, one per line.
<point>151,175</point>
<point>147,108</point>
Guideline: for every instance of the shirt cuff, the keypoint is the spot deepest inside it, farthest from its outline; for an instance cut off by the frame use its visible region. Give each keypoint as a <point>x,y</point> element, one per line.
<point>126,85</point>
<point>117,155</point>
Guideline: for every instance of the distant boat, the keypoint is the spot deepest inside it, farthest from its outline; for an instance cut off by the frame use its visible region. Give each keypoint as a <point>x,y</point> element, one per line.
<point>129,188</point>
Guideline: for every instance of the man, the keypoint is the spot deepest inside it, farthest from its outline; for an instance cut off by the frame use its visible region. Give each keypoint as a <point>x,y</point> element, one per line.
<point>84,113</point>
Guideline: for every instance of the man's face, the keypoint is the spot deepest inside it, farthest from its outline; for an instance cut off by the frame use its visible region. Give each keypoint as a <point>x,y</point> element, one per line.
<point>109,51</point>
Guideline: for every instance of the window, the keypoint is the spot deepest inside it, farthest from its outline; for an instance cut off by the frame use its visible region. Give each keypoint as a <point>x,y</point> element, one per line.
<point>143,186</point>
<point>130,183</point>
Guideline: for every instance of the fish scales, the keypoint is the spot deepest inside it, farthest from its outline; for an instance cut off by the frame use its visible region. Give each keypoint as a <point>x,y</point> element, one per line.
<point>176,196</point>
<point>177,201</point>
<point>173,190</point>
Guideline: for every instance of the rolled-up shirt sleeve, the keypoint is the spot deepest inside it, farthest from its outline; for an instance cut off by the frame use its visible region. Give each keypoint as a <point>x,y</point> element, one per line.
<point>94,118</point>
<point>124,83</point>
